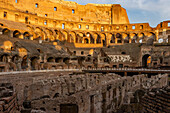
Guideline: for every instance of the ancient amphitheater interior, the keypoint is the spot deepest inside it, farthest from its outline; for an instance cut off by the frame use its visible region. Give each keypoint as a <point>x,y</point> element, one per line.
<point>59,56</point>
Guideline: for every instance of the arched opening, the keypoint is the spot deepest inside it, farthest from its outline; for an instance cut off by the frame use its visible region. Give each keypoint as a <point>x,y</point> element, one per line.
<point>5,31</point>
<point>1,24</point>
<point>50,59</point>
<point>24,63</point>
<point>104,42</point>
<point>16,34</point>
<point>66,60</point>
<point>135,38</point>
<point>4,58</point>
<point>141,37</point>
<point>146,60</point>
<point>15,58</point>
<point>123,53</point>
<point>112,39</point>
<point>98,40</point>
<point>26,20</point>
<point>58,60</point>
<point>91,40</point>
<point>119,38</point>
<point>126,40</point>
<point>86,41</point>
<point>34,63</point>
<point>151,38</point>
<point>26,35</point>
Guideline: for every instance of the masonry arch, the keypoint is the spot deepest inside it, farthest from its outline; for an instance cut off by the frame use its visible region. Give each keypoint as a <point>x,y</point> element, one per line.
<point>63,36</point>
<point>119,38</point>
<point>57,34</point>
<point>4,58</point>
<point>34,63</point>
<point>103,38</point>
<point>16,34</point>
<point>79,37</point>
<point>97,38</point>
<point>111,38</point>
<point>6,31</point>
<point>24,62</point>
<point>146,60</point>
<point>50,34</point>
<point>72,37</point>
<point>39,34</point>
<point>126,38</point>
<point>86,41</point>
<point>91,37</point>
<point>26,35</point>
<point>15,58</point>
<point>141,37</point>
<point>151,38</point>
<point>134,38</point>
<point>51,59</point>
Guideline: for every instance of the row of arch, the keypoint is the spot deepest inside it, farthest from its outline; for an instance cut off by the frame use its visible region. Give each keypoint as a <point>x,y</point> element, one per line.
<point>16,33</point>
<point>39,33</point>
<point>31,62</point>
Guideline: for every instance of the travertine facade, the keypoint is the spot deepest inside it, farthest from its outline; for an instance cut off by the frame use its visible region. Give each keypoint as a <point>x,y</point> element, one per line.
<point>92,25</point>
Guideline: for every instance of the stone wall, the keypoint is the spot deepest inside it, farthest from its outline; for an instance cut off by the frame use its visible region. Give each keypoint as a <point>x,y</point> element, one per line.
<point>157,100</point>
<point>84,93</point>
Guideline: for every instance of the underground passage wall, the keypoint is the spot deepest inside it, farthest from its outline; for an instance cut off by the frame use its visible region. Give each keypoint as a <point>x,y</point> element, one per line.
<point>82,93</point>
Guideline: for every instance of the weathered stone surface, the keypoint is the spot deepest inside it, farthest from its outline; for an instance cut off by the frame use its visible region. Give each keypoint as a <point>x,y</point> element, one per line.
<point>89,92</point>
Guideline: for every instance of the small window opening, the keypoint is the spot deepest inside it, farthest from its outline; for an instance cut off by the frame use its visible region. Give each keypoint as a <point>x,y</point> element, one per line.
<point>81,19</point>
<point>74,52</point>
<point>79,26</point>
<point>26,11</point>
<point>87,26</point>
<point>45,22</point>
<point>161,25</point>
<point>123,53</point>
<point>126,27</point>
<point>141,27</point>
<point>26,20</point>
<point>168,24</point>
<point>117,27</point>
<point>102,28</point>
<point>55,8</point>
<point>5,14</point>
<point>73,11</point>
<point>82,52</point>
<point>63,26</point>
<point>133,27</point>
<point>36,5</point>
<point>45,15</point>
<point>16,1</point>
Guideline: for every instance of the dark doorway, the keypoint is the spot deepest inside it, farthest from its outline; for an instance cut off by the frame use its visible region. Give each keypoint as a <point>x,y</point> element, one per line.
<point>120,65</point>
<point>26,20</point>
<point>68,108</point>
<point>104,43</point>
<point>146,60</point>
<point>34,63</point>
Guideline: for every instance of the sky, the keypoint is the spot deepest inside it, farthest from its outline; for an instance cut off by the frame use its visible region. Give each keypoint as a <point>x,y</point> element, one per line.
<point>139,11</point>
